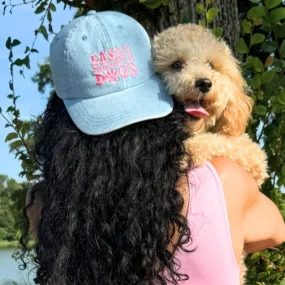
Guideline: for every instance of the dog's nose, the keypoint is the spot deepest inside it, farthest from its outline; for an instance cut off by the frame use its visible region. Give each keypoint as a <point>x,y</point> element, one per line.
<point>204,85</point>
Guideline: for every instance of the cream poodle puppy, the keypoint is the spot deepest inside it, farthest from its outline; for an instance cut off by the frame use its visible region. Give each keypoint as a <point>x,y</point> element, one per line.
<point>201,72</point>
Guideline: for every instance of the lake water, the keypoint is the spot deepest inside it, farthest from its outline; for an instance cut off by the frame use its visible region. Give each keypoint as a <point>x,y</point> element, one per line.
<point>9,269</point>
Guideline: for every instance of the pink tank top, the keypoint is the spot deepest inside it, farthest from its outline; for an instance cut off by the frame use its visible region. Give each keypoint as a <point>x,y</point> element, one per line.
<point>213,261</point>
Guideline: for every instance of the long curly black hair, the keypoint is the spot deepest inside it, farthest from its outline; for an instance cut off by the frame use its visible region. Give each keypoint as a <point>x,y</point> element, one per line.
<point>110,207</point>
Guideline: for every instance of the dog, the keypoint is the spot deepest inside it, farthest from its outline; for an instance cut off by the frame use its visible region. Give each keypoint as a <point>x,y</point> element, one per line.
<point>201,72</point>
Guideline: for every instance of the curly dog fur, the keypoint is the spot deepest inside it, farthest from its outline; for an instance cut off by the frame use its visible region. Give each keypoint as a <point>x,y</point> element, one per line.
<point>203,56</point>
<point>188,53</point>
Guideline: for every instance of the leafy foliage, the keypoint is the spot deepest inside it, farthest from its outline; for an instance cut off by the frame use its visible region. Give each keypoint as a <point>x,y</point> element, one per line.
<point>262,47</point>
<point>209,12</point>
<point>12,199</point>
<point>261,43</point>
<point>43,77</point>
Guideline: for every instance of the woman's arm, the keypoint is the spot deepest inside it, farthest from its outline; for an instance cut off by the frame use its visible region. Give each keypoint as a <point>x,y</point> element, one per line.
<point>33,204</point>
<point>264,226</point>
<point>253,217</point>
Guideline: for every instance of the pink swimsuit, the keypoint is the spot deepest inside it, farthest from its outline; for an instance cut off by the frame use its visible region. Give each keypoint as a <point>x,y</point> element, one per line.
<point>213,262</point>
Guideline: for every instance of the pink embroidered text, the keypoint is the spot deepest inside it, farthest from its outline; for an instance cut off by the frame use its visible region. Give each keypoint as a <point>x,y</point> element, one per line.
<point>113,64</point>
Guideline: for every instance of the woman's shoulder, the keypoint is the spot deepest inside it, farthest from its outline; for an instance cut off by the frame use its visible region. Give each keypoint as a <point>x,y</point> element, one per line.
<point>236,181</point>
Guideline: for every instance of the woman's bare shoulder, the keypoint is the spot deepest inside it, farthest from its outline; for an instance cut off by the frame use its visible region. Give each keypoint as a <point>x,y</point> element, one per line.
<point>235,180</point>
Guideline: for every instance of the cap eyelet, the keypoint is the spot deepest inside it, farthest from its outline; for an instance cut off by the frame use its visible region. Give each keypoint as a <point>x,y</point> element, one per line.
<point>84,38</point>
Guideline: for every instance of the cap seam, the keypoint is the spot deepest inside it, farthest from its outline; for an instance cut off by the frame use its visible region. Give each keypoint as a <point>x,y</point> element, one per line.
<point>66,54</point>
<point>110,42</point>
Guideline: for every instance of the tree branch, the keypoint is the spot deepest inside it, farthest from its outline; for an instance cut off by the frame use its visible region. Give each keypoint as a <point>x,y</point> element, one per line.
<point>78,4</point>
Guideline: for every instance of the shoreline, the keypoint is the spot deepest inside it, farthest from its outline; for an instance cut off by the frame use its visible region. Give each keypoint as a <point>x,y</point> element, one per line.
<point>14,244</point>
<point>9,244</point>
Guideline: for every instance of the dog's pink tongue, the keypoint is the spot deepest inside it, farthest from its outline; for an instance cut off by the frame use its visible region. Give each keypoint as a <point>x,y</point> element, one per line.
<point>195,110</point>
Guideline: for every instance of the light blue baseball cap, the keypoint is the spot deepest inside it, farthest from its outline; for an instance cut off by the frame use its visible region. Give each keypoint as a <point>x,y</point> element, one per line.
<point>102,69</point>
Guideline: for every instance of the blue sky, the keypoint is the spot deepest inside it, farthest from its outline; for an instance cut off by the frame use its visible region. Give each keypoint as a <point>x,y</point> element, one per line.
<point>21,25</point>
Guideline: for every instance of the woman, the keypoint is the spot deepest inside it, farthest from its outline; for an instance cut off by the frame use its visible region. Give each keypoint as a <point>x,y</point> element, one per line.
<point>115,207</point>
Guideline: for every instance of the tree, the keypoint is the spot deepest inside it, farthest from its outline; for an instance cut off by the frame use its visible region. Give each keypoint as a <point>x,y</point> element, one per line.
<point>255,30</point>
<point>12,199</point>
<point>157,15</point>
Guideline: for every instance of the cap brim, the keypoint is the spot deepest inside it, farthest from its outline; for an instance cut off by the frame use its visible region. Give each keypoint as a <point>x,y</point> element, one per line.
<point>108,113</point>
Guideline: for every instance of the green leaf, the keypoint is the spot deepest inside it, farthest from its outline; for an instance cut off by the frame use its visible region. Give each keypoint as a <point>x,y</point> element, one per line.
<point>27,49</point>
<point>257,22</point>
<point>15,145</point>
<point>255,255</point>
<point>261,275</point>
<point>49,17</point>
<point>246,26</point>
<point>34,50</point>
<point>218,32</point>
<point>25,128</point>
<point>26,61</point>
<point>269,46</point>
<point>200,8</point>
<point>257,64</point>
<point>152,4</point>
<point>256,12</point>
<point>212,14</point>
<point>276,15</point>
<point>272,3</point>
<point>8,43</point>
<point>260,95</point>
<point>10,109</point>
<point>202,23</point>
<point>50,28</point>
<point>282,49</point>
<point>269,61</point>
<point>249,61</point>
<point>255,1</point>
<point>280,31</point>
<point>267,76</point>
<point>43,30</point>
<point>256,81</point>
<point>257,39</point>
<point>52,7</point>
<point>0,110</point>
<point>15,43</point>
<point>267,27</point>
<point>260,110</point>
<point>242,46</point>
<point>18,62</point>
<point>11,136</point>
<point>39,10</point>
<point>281,97</point>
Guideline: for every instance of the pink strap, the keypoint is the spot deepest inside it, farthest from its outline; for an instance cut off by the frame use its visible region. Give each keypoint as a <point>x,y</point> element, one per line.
<point>213,262</point>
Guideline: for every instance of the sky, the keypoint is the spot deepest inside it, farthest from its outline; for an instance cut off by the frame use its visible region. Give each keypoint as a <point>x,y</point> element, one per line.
<point>21,25</point>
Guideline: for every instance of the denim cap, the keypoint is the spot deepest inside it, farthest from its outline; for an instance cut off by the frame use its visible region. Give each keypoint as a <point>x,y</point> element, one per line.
<point>102,69</point>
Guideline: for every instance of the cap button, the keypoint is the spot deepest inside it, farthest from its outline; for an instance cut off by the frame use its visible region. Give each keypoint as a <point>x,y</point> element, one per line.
<point>91,12</point>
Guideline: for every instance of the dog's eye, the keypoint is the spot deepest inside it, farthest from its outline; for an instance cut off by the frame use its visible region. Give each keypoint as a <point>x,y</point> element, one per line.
<point>177,65</point>
<point>211,64</point>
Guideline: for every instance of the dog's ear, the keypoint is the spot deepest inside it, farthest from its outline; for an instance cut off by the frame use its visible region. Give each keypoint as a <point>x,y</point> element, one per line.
<point>233,121</point>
